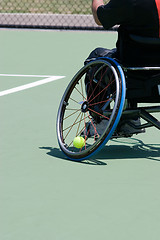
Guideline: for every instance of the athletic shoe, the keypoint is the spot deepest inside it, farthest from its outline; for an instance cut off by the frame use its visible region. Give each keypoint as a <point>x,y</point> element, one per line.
<point>93,129</point>
<point>131,127</point>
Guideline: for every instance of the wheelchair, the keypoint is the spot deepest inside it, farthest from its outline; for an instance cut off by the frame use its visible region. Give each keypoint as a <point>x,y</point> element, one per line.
<point>112,92</point>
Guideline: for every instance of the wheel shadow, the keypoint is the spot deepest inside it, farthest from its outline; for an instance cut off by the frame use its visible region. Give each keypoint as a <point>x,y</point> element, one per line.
<point>133,149</point>
<point>136,150</point>
<point>57,153</point>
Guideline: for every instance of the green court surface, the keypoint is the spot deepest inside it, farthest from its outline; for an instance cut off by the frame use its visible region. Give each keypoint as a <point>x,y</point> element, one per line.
<point>114,195</point>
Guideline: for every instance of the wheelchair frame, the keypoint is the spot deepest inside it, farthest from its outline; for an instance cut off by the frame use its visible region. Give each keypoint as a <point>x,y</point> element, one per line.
<point>113,116</point>
<point>144,112</point>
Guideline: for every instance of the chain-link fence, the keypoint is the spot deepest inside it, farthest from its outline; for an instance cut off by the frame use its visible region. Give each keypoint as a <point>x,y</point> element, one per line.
<point>47,14</point>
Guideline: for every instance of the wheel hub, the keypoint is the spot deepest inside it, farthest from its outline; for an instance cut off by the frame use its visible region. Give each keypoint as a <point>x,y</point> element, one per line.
<point>84,107</point>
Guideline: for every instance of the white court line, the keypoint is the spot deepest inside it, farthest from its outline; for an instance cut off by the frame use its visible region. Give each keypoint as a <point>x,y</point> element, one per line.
<point>22,75</point>
<point>30,85</point>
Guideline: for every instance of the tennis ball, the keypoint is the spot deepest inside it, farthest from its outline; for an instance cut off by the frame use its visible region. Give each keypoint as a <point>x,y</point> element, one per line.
<point>78,142</point>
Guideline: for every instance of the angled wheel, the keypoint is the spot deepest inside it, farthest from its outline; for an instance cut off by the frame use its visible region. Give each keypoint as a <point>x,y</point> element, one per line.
<point>96,93</point>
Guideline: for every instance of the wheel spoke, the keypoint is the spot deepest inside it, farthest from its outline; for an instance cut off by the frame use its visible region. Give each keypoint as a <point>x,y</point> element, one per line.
<point>95,130</point>
<point>79,124</point>
<point>101,92</point>
<point>108,100</point>
<point>80,93</point>
<point>70,128</point>
<point>75,123</point>
<point>74,100</point>
<point>98,81</point>
<point>98,113</point>
<point>71,114</point>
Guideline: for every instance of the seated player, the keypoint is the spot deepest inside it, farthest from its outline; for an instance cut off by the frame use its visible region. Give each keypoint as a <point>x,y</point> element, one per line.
<point>137,17</point>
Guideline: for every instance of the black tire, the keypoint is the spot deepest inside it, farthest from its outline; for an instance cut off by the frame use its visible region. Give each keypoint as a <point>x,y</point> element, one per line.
<point>76,110</point>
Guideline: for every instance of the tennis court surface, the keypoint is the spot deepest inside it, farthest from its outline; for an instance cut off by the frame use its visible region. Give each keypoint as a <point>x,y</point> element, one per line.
<point>113,195</point>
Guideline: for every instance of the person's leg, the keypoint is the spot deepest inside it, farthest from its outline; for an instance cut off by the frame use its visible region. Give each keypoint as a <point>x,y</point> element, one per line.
<point>101,52</point>
<point>98,123</point>
<point>130,126</point>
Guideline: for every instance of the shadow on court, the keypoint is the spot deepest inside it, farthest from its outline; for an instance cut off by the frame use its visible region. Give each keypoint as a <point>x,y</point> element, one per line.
<point>134,149</point>
<point>147,151</point>
<point>56,152</point>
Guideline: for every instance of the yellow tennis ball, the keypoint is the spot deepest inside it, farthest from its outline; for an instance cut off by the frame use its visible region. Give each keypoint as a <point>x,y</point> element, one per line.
<point>78,142</point>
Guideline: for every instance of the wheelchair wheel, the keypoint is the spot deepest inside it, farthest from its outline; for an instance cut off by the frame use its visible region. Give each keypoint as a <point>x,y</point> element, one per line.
<point>96,92</point>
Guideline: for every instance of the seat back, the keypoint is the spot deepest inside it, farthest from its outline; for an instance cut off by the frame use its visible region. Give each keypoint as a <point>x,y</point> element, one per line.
<point>140,57</point>
<point>143,86</point>
<point>140,51</point>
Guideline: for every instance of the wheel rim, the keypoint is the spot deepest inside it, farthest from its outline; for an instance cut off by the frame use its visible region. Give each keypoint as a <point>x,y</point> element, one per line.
<point>76,110</point>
